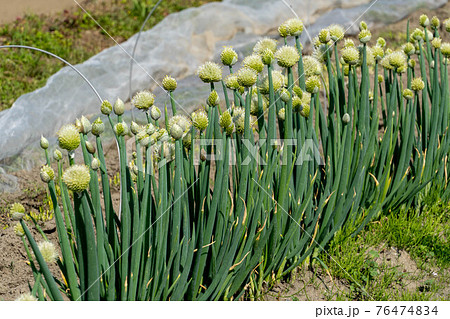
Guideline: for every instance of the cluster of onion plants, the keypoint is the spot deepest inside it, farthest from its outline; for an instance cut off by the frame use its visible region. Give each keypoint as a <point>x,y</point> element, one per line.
<point>217,203</point>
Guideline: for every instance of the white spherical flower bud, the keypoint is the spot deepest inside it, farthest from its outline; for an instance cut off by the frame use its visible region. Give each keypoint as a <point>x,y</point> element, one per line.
<point>424,21</point>
<point>267,56</point>
<point>447,25</point>
<point>313,84</point>
<point>349,43</point>
<point>77,178</point>
<point>200,120</point>
<point>417,84</point>
<point>18,230</point>
<point>417,35</point>
<point>228,56</point>
<point>336,32</point>
<point>47,174</point>
<point>265,44</point>
<point>409,49</point>
<point>121,129</point>
<point>143,100</point>
<point>26,297</point>
<point>48,251</point>
<point>294,27</point>
<point>283,30</point>
<point>365,36</point>
<point>311,66</point>
<point>436,43</point>
<point>176,132</point>
<point>445,49</point>
<point>350,55</point>
<point>106,107</point>
<point>285,96</point>
<point>397,59</point>
<point>435,23</point>
<point>246,77</point>
<point>287,56</point>
<point>324,36</point>
<point>411,63</point>
<point>98,127</point>
<point>346,118</point>
<point>69,137</point>
<point>381,42</point>
<point>57,155</point>
<point>254,62</point>
<point>119,107</point>
<point>44,143</point>
<point>17,211</point>
<point>408,94</point>
<point>231,82</point>
<point>210,72</point>
<point>169,84</point>
<point>377,52</point>
<point>282,114</point>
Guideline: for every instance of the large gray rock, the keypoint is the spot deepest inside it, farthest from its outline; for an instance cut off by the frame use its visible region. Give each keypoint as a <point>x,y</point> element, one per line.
<point>177,46</point>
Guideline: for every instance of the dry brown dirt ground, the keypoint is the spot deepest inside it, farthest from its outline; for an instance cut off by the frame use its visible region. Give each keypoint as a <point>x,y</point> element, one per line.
<point>307,283</point>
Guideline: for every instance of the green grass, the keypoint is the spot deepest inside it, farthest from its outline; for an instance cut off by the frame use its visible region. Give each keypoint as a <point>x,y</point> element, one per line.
<point>423,235</point>
<point>72,35</point>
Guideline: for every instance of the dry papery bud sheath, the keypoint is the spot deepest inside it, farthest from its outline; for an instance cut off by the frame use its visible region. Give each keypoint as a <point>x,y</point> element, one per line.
<point>155,113</point>
<point>169,84</point>
<point>68,137</point>
<point>57,155</point>
<point>43,143</point>
<point>85,125</point>
<point>98,127</point>
<point>176,132</point>
<point>135,128</point>
<point>143,100</point>
<point>95,164</point>
<point>119,107</point>
<point>106,107</point>
<point>228,56</point>
<point>89,147</point>
<point>346,118</point>
<point>77,178</point>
